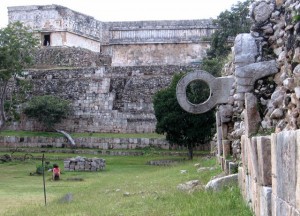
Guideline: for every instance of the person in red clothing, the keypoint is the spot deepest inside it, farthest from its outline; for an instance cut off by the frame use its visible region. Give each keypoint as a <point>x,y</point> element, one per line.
<point>56,172</point>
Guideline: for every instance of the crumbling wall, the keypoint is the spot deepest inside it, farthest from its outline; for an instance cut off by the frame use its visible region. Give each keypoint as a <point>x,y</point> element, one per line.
<point>65,27</point>
<point>84,164</point>
<point>113,99</point>
<point>53,57</point>
<point>258,128</point>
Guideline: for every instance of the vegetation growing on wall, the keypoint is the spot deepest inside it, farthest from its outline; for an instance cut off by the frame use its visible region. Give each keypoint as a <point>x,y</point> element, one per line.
<point>48,110</point>
<point>230,23</point>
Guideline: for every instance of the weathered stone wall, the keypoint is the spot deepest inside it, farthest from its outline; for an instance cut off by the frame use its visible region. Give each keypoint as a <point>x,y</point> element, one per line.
<point>50,18</point>
<point>270,175</point>
<point>115,99</point>
<point>84,164</point>
<point>90,142</point>
<point>172,31</point>
<point>54,57</point>
<point>156,54</point>
<point>63,24</point>
<point>157,42</point>
<point>128,43</point>
<point>265,100</point>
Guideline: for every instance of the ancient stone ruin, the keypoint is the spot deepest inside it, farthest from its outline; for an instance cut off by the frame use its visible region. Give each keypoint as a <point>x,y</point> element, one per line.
<point>258,125</point>
<point>84,164</point>
<point>257,100</point>
<point>108,70</point>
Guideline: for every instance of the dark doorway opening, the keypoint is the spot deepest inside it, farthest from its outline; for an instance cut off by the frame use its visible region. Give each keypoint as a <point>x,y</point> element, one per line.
<point>46,40</point>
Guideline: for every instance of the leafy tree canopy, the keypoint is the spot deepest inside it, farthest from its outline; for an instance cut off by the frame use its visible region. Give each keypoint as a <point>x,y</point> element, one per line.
<point>230,23</point>
<point>17,44</point>
<point>181,127</point>
<point>48,110</point>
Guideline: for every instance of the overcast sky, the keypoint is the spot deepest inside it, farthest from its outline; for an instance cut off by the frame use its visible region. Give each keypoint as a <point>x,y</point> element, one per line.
<point>132,10</point>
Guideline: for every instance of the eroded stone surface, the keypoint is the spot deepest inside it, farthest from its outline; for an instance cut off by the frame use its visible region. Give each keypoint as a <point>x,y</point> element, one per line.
<point>219,91</point>
<point>219,183</point>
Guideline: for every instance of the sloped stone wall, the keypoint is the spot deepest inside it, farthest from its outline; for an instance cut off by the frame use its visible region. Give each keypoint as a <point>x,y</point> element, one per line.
<point>114,99</point>
<point>265,100</point>
<point>53,57</point>
<point>270,174</point>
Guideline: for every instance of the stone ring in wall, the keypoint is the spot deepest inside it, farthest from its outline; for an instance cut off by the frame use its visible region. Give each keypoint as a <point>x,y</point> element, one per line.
<point>219,91</point>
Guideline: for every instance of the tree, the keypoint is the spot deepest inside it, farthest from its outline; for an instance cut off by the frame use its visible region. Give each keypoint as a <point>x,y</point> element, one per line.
<point>17,44</point>
<point>230,23</point>
<point>181,127</point>
<point>48,110</point>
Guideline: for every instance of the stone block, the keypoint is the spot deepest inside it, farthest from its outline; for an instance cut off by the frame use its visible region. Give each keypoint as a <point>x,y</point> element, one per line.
<point>251,115</point>
<point>284,174</point>
<point>282,208</point>
<point>297,170</point>
<point>255,196</point>
<point>264,160</point>
<point>226,148</point>
<point>265,201</point>
<point>224,128</point>
<point>226,168</point>
<point>245,49</point>
<point>219,183</point>
<point>253,162</point>
<point>241,181</point>
<point>248,188</point>
<point>244,152</point>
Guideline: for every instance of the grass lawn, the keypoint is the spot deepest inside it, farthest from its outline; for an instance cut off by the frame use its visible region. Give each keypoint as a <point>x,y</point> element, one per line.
<point>126,187</point>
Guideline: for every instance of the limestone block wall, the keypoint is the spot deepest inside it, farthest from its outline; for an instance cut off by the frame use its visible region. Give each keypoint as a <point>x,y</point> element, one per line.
<point>51,18</point>
<point>128,43</point>
<point>67,39</point>
<point>156,54</point>
<point>64,26</point>
<point>265,100</point>
<point>54,57</point>
<point>167,31</point>
<point>270,173</point>
<point>84,164</point>
<point>89,142</point>
<point>156,42</point>
<point>115,99</point>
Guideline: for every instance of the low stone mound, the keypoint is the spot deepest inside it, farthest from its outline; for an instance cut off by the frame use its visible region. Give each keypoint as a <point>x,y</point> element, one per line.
<point>84,164</point>
<point>219,183</point>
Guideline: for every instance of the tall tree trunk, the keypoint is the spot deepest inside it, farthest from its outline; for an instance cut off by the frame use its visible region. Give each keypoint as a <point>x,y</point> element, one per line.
<point>190,154</point>
<point>2,99</point>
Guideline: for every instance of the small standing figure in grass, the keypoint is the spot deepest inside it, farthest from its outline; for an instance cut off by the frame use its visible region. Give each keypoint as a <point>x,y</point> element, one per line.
<point>56,172</point>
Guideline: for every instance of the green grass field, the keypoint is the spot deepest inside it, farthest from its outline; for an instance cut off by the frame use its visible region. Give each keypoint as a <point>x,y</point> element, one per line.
<point>126,187</point>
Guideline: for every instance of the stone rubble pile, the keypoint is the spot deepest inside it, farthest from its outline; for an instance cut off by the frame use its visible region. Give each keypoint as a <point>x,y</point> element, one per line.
<point>84,164</point>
